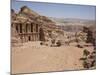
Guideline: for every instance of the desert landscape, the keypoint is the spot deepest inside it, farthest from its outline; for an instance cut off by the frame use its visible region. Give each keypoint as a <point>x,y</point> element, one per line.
<point>33,58</point>
<point>46,44</point>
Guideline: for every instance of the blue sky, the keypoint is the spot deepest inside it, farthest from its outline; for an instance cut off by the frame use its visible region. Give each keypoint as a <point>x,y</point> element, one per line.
<point>58,10</point>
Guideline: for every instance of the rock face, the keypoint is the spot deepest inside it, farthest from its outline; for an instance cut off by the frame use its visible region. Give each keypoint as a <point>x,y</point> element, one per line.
<point>15,39</point>
<point>27,26</point>
<point>27,11</point>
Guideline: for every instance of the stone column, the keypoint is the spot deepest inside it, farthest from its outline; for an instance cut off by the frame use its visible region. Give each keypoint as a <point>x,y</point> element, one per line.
<point>23,27</point>
<point>29,28</point>
<point>34,36</point>
<point>34,27</point>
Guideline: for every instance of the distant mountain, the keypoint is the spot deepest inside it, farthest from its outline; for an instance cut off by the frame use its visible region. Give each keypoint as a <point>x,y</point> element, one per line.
<point>72,21</point>
<point>73,24</point>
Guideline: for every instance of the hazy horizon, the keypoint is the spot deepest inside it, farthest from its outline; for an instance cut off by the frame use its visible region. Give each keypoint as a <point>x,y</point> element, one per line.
<point>58,10</point>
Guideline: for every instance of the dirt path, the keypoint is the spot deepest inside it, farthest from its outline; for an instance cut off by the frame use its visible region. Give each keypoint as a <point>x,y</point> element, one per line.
<point>29,58</point>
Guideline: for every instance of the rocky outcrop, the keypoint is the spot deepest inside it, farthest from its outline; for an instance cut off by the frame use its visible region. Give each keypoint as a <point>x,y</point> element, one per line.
<point>26,15</point>
<point>15,40</point>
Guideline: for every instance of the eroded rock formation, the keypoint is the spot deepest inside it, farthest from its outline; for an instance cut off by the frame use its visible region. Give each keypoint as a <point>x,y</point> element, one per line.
<point>27,25</point>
